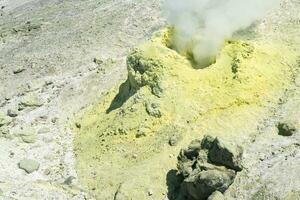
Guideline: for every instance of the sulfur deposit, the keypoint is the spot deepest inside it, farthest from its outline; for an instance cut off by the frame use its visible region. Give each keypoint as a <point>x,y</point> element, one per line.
<point>123,139</point>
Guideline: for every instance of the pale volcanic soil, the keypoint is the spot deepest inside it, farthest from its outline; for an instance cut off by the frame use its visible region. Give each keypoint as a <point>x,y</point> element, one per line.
<point>58,57</point>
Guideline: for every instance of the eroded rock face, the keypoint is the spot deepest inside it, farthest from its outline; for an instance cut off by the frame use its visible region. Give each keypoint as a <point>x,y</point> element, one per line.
<point>208,165</point>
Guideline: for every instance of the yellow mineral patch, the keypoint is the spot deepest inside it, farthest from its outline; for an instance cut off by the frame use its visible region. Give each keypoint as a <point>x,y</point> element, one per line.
<point>124,137</point>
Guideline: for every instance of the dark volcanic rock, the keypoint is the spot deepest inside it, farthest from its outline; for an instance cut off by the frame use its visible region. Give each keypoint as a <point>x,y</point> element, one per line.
<point>200,186</point>
<point>287,128</point>
<point>207,142</point>
<point>227,154</point>
<point>207,166</point>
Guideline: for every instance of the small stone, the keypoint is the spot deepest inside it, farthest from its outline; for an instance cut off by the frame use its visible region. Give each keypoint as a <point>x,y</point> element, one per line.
<point>171,155</point>
<point>288,128</point>
<point>7,98</point>
<point>28,136</point>
<point>140,134</point>
<point>153,109</point>
<point>12,112</point>
<point>48,82</point>
<point>29,165</point>
<point>98,61</point>
<point>78,125</point>
<point>43,117</point>
<point>216,196</point>
<point>19,69</point>
<point>47,172</point>
<point>134,156</point>
<point>173,140</point>
<point>11,154</point>
<point>262,158</point>
<point>31,100</point>
<point>69,180</point>
<point>150,192</point>
<point>54,120</point>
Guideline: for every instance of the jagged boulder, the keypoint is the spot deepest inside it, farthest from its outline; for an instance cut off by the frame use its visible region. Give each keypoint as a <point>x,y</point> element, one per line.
<point>202,184</point>
<point>226,153</point>
<point>207,166</point>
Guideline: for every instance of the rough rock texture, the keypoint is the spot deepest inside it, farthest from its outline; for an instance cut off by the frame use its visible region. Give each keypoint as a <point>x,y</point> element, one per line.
<point>208,166</point>
<point>142,72</point>
<point>201,185</point>
<point>227,154</point>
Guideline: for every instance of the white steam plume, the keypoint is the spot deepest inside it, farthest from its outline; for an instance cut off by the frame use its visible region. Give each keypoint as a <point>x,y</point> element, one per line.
<point>201,26</point>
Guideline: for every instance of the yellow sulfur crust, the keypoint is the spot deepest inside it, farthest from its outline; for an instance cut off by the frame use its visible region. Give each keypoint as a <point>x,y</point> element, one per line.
<point>165,95</point>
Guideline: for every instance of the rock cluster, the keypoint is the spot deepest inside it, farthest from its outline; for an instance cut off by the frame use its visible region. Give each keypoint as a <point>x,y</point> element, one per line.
<point>208,166</point>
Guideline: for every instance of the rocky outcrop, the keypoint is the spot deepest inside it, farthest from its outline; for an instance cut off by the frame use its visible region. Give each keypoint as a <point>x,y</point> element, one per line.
<point>208,166</point>
<point>144,72</point>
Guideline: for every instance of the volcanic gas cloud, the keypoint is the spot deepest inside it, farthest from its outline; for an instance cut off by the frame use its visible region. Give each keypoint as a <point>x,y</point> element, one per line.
<point>201,26</point>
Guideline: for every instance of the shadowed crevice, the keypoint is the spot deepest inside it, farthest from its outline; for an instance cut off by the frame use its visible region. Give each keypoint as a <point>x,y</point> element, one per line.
<point>125,92</point>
